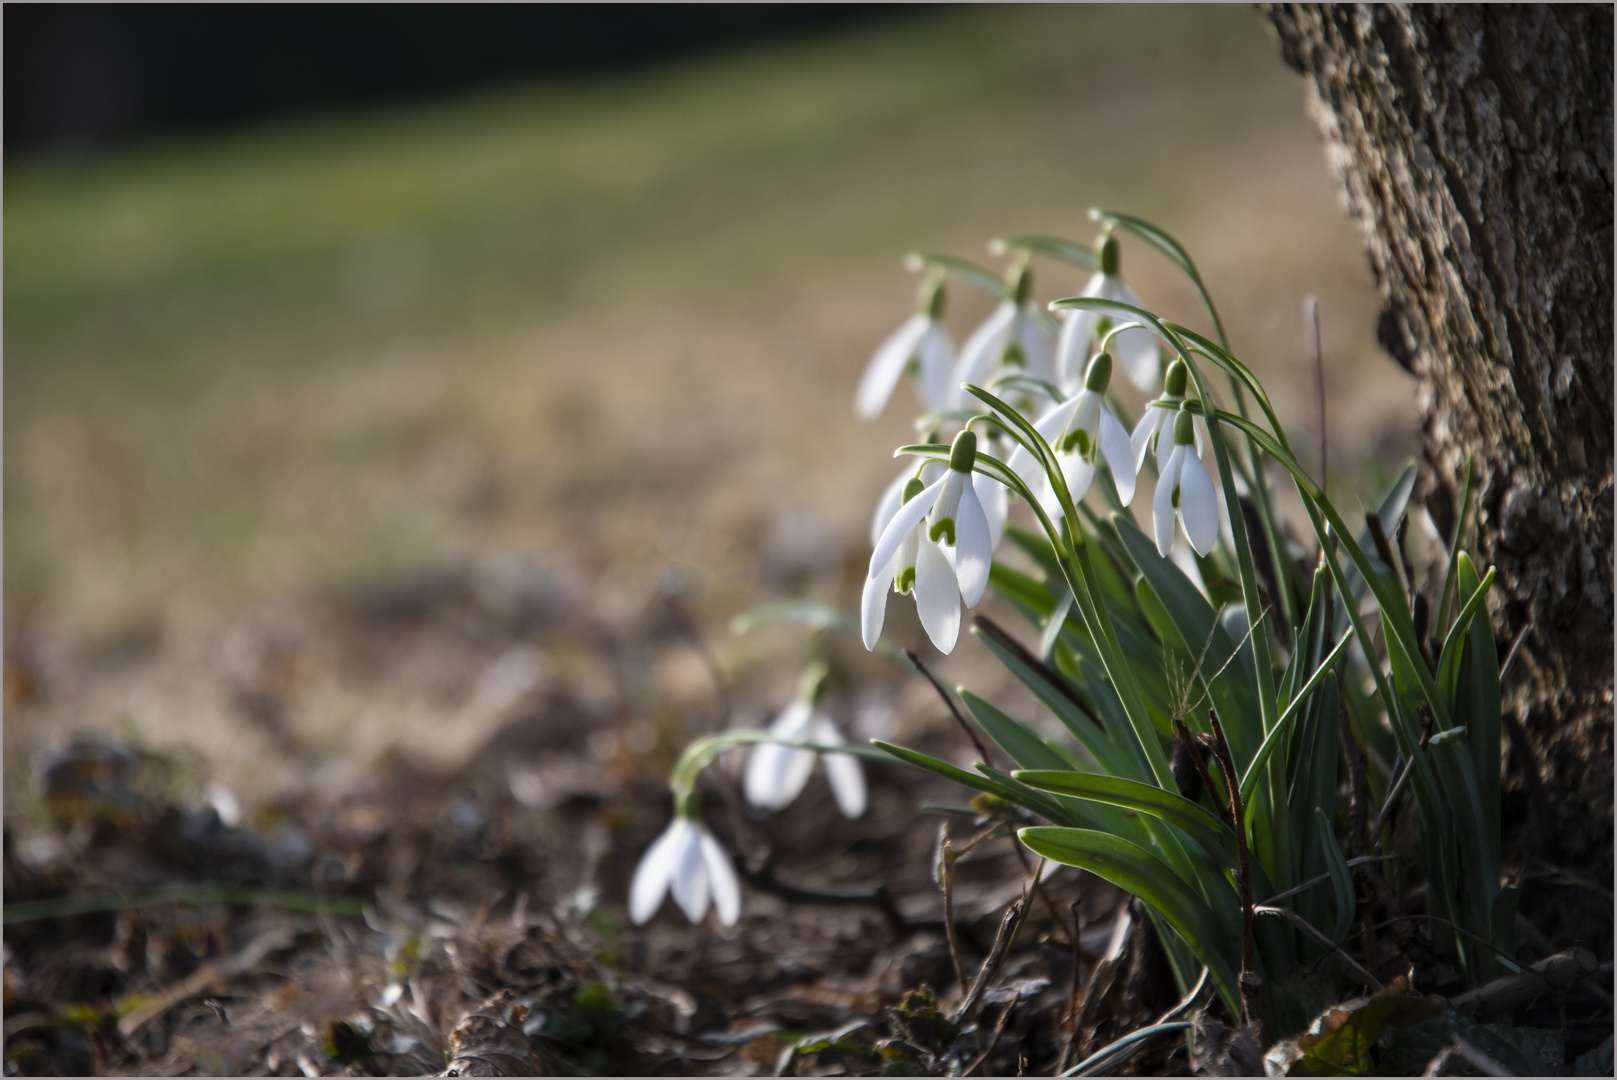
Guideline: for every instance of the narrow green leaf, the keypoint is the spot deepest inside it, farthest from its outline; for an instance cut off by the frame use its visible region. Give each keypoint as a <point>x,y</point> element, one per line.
<point>1017,793</point>
<point>1135,870</point>
<point>1196,628</point>
<point>1197,821</point>
<point>1341,876</point>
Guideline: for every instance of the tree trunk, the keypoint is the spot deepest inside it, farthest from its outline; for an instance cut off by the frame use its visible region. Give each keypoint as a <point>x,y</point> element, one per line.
<point>1475,146</point>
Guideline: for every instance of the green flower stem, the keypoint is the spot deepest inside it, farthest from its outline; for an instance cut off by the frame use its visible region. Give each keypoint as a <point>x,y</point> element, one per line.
<point>1250,781</point>
<point>1076,566</point>
<point>1256,483</point>
<point>1391,602</point>
<point>700,754</point>
<point>1243,550</point>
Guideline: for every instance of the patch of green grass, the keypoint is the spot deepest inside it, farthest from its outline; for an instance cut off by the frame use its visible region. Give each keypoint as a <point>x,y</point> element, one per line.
<point>180,316</point>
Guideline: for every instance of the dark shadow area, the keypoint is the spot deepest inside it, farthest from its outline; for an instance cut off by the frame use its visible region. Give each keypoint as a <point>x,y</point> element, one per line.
<point>90,75</point>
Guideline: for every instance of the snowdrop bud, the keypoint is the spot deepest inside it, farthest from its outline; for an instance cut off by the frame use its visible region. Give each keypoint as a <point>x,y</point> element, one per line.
<point>932,298</point>
<point>811,687</point>
<point>1106,249</point>
<point>1184,430</point>
<point>963,455</point>
<point>1020,280</point>
<point>1178,376</point>
<point>1099,376</point>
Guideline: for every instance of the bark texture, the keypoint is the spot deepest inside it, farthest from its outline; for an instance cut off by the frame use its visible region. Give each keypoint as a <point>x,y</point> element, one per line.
<point>1474,143</point>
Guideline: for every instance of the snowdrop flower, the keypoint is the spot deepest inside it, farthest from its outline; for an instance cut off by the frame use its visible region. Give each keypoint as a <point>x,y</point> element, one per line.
<point>1185,489</point>
<point>1147,433</point>
<point>938,546</point>
<point>1010,337</point>
<point>1081,430</point>
<point>1136,348</point>
<point>994,496</point>
<point>687,859</point>
<point>921,340</point>
<point>776,774</point>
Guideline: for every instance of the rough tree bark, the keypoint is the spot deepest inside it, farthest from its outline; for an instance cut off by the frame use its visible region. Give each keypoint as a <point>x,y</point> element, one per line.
<point>1475,146</point>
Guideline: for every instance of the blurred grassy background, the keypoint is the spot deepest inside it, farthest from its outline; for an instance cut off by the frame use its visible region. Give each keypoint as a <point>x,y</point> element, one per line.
<point>615,323</point>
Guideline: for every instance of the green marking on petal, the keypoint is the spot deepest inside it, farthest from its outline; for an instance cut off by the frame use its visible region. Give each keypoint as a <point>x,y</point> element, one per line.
<point>1013,356</point>
<point>944,525</point>
<point>1080,439</point>
<point>906,580</point>
<point>1175,496</point>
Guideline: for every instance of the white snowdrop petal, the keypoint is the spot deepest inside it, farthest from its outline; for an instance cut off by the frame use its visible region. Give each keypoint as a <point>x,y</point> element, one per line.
<point>887,366</point>
<point>982,350</point>
<point>1140,441</point>
<point>1136,349</point>
<point>938,387</point>
<point>1037,347</point>
<point>937,597</point>
<point>948,503</point>
<point>1114,447</point>
<point>843,771</point>
<point>651,877</point>
<point>1079,474</point>
<point>908,517</point>
<point>795,721</point>
<point>1072,348</point>
<point>1198,506</point>
<point>721,877</point>
<point>1162,504</point>
<point>873,604</point>
<point>776,774</point>
<point>973,549</point>
<point>996,501</point>
<point>891,499</point>
<point>690,876</point>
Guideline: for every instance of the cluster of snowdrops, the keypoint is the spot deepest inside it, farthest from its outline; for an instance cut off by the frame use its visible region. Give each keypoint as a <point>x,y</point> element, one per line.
<point>938,524</point>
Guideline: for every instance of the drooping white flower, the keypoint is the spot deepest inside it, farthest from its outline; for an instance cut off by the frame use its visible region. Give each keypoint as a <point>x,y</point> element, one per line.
<point>1184,489</point>
<point>1136,348</point>
<point>1081,431</point>
<point>937,545</point>
<point>686,859</point>
<point>1010,337</point>
<point>776,774</point>
<point>1147,433</point>
<point>922,340</point>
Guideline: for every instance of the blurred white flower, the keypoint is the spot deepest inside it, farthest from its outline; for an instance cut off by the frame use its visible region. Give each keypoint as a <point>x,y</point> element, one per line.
<point>937,545</point>
<point>1136,348</point>
<point>1185,489</point>
<point>922,340</point>
<point>687,859</point>
<point>776,774</point>
<point>1010,337</point>
<point>1081,431</point>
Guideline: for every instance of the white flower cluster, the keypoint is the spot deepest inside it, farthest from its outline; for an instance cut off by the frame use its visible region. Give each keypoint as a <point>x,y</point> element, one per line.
<point>936,529</point>
<point>937,526</point>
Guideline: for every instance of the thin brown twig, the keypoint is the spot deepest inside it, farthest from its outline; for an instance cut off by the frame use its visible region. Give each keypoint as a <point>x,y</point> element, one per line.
<point>1324,939</point>
<point>945,868</point>
<point>999,1027</point>
<point>1071,1023</point>
<point>954,711</point>
<point>996,954</point>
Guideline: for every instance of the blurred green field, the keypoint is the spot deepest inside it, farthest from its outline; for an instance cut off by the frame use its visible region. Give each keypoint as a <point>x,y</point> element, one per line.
<point>615,321</point>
